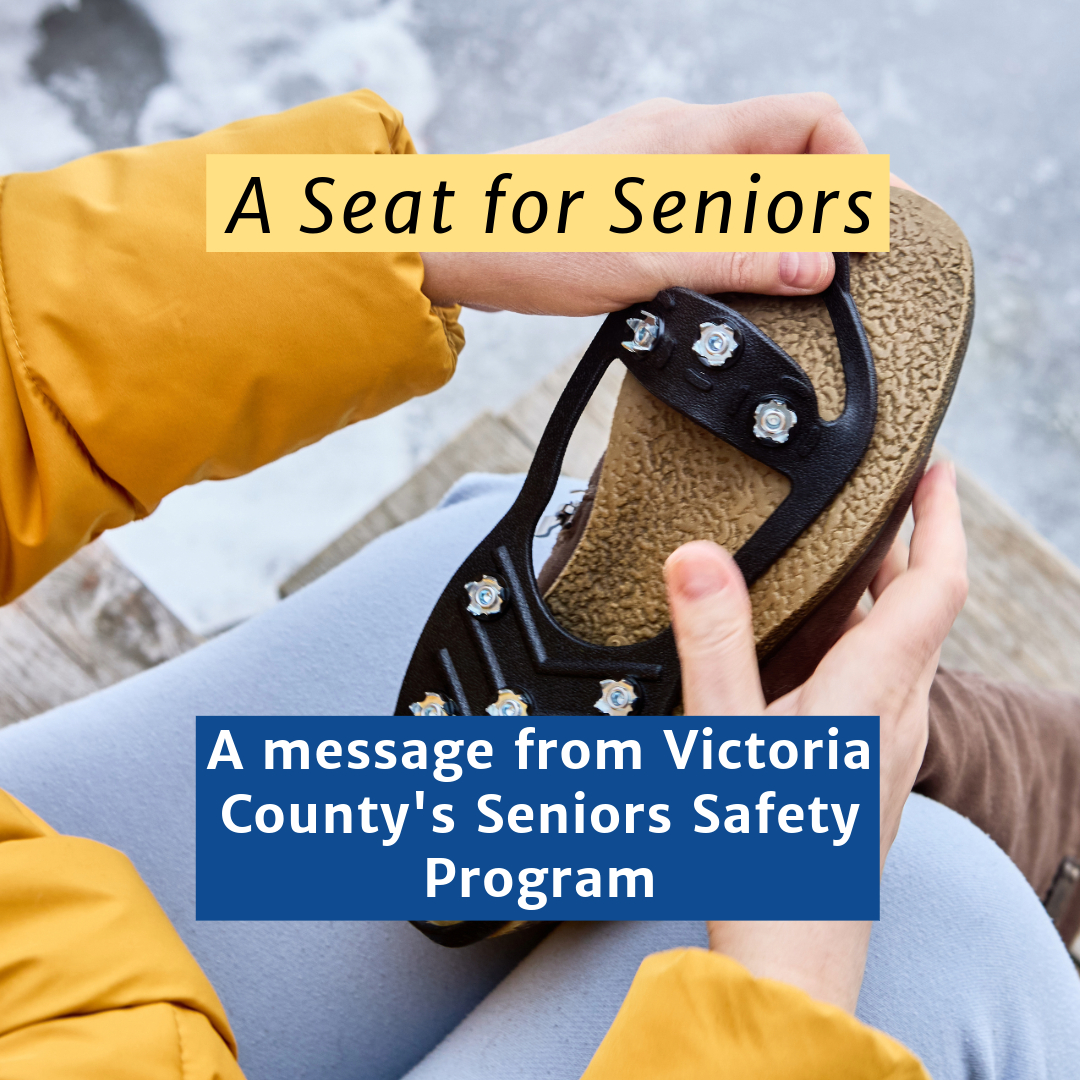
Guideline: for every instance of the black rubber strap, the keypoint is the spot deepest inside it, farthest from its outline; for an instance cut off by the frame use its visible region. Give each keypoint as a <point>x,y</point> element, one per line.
<point>468,660</point>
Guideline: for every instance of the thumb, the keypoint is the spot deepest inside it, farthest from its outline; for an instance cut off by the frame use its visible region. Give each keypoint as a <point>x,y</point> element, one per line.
<point>710,613</point>
<point>789,273</point>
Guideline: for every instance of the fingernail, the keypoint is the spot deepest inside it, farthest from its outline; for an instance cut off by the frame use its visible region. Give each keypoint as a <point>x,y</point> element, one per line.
<point>698,578</point>
<point>951,466</point>
<point>803,269</point>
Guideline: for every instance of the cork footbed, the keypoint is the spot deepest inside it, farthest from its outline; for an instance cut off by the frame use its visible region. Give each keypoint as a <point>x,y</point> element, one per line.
<point>666,481</point>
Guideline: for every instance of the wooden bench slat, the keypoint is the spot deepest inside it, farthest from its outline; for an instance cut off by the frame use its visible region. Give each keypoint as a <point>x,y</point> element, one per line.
<point>89,624</point>
<point>1022,618</point>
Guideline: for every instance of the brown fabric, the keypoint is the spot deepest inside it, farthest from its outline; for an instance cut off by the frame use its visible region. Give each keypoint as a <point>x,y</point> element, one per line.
<point>1007,757</point>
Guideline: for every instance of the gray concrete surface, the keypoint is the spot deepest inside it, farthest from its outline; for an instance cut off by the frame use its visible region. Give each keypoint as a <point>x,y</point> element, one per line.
<point>976,103</point>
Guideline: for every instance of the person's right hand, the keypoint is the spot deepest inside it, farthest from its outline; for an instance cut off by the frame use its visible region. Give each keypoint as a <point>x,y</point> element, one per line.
<point>883,665</point>
<point>555,283</point>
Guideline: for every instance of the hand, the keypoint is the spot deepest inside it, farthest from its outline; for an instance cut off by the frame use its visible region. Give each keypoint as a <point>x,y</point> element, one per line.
<point>547,283</point>
<point>916,599</point>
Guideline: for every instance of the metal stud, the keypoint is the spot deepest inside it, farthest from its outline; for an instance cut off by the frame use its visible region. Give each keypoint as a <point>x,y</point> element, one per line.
<point>431,704</point>
<point>617,697</point>
<point>559,520</point>
<point>646,331</point>
<point>508,704</point>
<point>485,596</point>
<point>773,421</point>
<point>716,345</point>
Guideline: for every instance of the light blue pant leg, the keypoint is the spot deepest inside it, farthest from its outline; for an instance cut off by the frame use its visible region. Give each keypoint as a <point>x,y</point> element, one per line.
<point>965,969</point>
<point>326,1000</point>
<point>962,937</point>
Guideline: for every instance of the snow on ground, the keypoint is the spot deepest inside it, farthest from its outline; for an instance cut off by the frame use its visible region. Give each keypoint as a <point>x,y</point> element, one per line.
<point>247,57</point>
<point>977,107</point>
<point>36,130</point>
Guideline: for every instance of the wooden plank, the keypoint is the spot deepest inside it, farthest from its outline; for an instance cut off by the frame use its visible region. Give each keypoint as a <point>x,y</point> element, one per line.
<point>87,625</point>
<point>1022,618</point>
<point>36,672</point>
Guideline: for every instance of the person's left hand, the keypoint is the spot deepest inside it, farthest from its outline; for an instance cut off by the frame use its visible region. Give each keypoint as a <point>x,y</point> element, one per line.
<point>593,283</point>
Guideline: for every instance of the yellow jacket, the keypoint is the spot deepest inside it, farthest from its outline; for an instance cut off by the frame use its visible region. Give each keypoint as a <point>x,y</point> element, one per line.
<point>133,362</point>
<point>94,981</point>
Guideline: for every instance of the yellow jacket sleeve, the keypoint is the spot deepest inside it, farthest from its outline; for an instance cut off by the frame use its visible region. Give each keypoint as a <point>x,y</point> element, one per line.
<point>133,362</point>
<point>94,980</point>
<point>695,1015</point>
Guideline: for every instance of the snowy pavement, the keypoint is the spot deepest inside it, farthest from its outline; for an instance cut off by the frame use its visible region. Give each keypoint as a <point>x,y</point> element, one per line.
<point>976,103</point>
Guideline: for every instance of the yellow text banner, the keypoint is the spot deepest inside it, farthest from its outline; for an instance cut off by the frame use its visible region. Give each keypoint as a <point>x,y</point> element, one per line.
<point>547,202</point>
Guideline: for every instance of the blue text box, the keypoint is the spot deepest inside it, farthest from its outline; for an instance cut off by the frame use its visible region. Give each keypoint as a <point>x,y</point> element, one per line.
<point>722,818</point>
